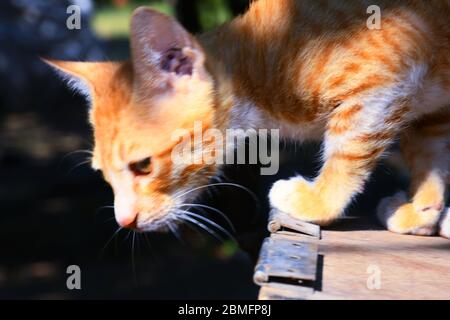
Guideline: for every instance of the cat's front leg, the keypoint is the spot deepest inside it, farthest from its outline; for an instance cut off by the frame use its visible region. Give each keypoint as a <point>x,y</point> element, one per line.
<point>357,135</point>
<point>301,198</point>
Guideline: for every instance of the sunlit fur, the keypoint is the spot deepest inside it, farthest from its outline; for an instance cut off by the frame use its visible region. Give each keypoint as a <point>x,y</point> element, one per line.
<point>311,68</point>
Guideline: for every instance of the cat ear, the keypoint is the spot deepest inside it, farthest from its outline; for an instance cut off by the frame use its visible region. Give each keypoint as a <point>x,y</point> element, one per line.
<point>161,47</point>
<point>84,77</point>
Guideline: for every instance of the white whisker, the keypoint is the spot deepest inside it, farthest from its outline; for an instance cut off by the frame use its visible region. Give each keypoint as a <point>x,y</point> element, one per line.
<point>76,152</point>
<point>103,208</point>
<point>109,241</point>
<point>133,263</point>
<point>78,165</point>
<point>194,215</point>
<point>175,232</point>
<point>202,226</point>
<point>255,198</point>
<point>195,205</point>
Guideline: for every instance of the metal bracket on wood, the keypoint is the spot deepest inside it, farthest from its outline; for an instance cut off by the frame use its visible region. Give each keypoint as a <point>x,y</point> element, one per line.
<point>287,264</point>
<point>279,221</point>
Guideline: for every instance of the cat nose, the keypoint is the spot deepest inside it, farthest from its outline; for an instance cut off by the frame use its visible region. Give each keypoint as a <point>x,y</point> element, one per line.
<point>129,222</point>
<point>124,210</point>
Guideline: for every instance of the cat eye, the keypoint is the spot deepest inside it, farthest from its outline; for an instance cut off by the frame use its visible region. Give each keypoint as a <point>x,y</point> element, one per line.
<point>141,168</point>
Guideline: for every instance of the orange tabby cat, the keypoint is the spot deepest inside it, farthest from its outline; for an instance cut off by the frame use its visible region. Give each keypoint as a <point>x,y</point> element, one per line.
<point>311,68</point>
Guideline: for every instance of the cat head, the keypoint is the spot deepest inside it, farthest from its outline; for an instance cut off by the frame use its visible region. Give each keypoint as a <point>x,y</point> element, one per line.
<point>137,107</point>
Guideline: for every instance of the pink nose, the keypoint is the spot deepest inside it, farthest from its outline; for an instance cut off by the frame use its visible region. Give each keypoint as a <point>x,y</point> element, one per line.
<point>128,222</point>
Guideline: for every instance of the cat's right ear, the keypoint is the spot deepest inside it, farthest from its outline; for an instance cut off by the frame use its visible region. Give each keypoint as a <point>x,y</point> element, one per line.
<point>162,51</point>
<point>76,74</point>
<point>84,77</point>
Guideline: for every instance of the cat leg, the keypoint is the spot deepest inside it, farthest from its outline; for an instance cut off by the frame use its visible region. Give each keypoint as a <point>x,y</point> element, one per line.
<point>426,150</point>
<point>357,134</point>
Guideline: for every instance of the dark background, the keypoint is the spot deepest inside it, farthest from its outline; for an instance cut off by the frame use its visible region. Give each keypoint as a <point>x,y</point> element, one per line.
<point>52,205</point>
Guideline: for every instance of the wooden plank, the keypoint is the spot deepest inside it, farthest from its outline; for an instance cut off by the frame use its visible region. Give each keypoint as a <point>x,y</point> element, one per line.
<point>360,260</point>
<point>280,291</point>
<point>358,253</point>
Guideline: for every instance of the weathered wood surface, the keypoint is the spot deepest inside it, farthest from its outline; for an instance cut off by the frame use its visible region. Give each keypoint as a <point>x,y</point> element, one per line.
<point>359,260</point>
<point>410,267</point>
<point>280,291</point>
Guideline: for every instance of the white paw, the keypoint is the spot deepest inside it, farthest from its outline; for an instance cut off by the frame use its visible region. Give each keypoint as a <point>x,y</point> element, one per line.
<point>389,205</point>
<point>445,224</point>
<point>281,192</point>
<point>399,216</point>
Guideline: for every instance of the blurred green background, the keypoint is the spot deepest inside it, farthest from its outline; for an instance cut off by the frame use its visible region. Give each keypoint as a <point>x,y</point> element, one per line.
<point>112,17</point>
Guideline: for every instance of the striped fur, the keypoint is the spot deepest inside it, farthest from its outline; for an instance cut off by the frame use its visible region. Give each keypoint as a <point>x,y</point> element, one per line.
<point>311,68</point>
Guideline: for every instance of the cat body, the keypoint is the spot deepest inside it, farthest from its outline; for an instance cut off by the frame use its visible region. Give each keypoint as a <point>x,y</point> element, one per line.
<point>312,69</point>
<point>294,62</point>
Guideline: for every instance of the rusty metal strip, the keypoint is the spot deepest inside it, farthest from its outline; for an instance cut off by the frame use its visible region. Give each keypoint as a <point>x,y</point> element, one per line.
<point>286,259</point>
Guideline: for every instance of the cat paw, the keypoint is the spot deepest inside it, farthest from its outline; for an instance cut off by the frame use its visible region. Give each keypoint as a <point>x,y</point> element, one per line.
<point>444,225</point>
<point>431,200</point>
<point>399,215</point>
<point>298,198</point>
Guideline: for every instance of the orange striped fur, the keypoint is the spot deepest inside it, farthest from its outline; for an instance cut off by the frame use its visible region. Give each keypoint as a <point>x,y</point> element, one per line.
<point>311,68</point>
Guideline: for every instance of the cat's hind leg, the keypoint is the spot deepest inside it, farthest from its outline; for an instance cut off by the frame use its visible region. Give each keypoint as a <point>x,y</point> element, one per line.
<point>425,146</point>
<point>358,132</point>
